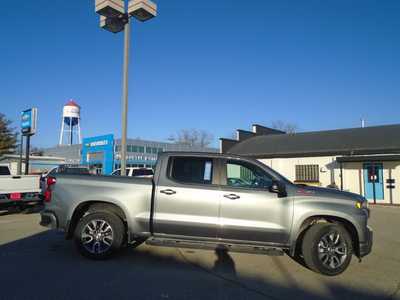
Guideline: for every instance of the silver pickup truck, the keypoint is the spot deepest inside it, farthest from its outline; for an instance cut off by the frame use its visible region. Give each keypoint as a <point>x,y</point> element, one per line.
<point>210,201</point>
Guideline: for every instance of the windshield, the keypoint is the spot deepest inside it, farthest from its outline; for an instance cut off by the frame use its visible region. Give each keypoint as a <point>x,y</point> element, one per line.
<point>275,174</point>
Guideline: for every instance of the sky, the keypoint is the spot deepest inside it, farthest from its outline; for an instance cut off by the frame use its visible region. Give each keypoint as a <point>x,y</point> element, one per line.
<point>211,65</point>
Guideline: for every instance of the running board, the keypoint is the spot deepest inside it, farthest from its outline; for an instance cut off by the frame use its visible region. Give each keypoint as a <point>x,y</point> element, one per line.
<point>265,250</point>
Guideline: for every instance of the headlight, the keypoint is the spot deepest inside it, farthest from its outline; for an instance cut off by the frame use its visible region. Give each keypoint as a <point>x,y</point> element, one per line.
<point>362,204</point>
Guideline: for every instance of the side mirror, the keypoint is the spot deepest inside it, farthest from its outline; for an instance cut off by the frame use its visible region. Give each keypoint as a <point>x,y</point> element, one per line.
<point>278,188</point>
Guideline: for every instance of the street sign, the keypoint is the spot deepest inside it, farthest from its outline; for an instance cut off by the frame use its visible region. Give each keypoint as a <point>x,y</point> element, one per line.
<point>390,183</point>
<point>28,121</point>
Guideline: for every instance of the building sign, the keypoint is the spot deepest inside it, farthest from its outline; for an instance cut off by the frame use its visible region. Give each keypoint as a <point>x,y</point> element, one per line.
<point>97,143</point>
<point>390,183</point>
<point>98,153</point>
<point>28,121</point>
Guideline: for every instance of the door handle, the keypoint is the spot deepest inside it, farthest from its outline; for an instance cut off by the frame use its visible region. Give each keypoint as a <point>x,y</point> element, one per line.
<point>168,192</point>
<point>232,196</point>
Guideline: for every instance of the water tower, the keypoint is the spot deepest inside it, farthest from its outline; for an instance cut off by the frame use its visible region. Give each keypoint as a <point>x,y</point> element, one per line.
<point>71,124</point>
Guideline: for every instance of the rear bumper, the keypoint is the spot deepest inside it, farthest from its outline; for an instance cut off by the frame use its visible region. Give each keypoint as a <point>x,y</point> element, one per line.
<point>48,219</point>
<point>5,199</point>
<point>366,247</point>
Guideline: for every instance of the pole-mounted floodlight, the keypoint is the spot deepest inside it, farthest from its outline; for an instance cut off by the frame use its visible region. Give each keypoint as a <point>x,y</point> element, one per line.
<point>113,25</point>
<point>114,18</point>
<point>110,8</point>
<point>142,10</point>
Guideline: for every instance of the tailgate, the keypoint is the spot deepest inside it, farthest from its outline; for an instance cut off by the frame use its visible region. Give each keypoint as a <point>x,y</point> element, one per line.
<point>20,184</point>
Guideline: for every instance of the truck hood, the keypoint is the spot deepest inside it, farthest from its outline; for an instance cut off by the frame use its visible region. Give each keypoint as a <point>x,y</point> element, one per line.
<point>311,191</point>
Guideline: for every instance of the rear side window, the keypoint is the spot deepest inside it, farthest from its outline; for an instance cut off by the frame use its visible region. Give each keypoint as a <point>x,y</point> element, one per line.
<point>74,171</point>
<point>4,170</point>
<point>142,172</point>
<point>192,169</point>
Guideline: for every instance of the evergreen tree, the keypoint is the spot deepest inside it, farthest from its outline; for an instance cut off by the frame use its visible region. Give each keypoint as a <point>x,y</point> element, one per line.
<point>8,136</point>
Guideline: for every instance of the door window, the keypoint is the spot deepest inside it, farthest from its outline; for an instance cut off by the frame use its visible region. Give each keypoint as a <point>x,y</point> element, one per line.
<point>246,175</point>
<point>192,170</point>
<point>373,173</point>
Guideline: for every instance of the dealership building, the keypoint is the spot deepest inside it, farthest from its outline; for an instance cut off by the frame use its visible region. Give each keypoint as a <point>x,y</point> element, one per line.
<point>103,153</point>
<point>365,161</point>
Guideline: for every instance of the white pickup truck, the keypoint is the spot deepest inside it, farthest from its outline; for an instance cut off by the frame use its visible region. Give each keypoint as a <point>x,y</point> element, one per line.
<point>18,190</point>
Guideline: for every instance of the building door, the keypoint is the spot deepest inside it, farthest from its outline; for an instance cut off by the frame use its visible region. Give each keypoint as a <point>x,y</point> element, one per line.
<point>97,168</point>
<point>373,181</point>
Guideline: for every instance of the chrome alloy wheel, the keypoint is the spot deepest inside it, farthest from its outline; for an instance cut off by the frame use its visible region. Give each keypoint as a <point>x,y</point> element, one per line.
<point>97,236</point>
<point>332,250</point>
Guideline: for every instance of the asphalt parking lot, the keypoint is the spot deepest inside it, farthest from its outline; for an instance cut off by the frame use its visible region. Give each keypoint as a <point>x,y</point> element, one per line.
<point>36,263</point>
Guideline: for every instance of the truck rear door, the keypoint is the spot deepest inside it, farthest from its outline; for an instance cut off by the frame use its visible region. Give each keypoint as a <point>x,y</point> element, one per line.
<point>186,198</point>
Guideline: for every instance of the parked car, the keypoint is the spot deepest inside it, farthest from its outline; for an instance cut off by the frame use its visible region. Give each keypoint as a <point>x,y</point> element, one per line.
<point>191,203</point>
<point>69,169</point>
<point>18,190</point>
<point>63,169</point>
<point>135,172</point>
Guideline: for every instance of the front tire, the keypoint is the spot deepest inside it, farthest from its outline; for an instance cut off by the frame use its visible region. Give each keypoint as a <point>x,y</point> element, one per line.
<point>327,248</point>
<point>99,235</point>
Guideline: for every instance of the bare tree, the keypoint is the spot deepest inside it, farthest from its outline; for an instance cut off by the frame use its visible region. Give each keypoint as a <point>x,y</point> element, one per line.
<point>192,137</point>
<point>233,135</point>
<point>205,138</point>
<point>285,126</point>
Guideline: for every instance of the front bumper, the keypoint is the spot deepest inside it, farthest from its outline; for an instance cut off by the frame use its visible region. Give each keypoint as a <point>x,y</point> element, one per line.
<point>366,247</point>
<point>48,219</point>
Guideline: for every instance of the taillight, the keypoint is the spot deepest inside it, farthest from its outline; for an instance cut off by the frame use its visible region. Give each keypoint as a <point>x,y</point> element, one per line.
<point>47,194</point>
<point>50,181</point>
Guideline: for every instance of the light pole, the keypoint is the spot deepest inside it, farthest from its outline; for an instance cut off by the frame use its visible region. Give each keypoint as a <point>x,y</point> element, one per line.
<point>115,18</point>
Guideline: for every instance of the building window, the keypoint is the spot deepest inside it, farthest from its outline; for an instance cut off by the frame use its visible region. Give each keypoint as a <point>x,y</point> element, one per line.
<point>154,150</point>
<point>134,148</point>
<point>160,150</point>
<point>148,149</point>
<point>307,173</point>
<point>140,149</point>
<point>129,148</point>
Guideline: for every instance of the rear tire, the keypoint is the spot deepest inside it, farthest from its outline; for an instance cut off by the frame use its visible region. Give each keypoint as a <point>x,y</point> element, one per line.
<point>99,235</point>
<point>327,248</point>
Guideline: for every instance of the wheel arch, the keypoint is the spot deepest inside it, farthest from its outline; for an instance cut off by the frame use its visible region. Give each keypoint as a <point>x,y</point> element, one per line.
<point>99,205</point>
<point>309,221</point>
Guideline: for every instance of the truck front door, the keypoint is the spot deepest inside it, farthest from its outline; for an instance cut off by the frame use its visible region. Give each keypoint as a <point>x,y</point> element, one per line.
<point>249,211</point>
<point>187,199</point>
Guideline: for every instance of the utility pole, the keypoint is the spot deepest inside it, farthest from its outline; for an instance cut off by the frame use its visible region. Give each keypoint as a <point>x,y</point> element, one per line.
<point>125,97</point>
<point>28,145</point>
